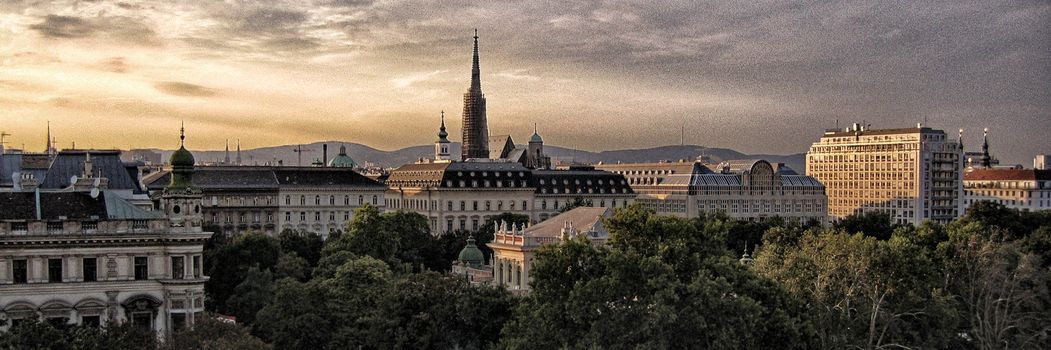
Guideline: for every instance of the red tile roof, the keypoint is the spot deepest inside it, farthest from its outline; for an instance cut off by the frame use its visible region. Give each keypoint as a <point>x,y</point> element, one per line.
<point>1007,175</point>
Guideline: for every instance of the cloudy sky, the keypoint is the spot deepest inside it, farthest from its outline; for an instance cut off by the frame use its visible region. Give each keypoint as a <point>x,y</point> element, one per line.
<point>756,76</point>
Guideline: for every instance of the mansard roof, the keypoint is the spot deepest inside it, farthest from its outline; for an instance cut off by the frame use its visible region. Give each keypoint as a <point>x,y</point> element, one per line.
<point>315,177</point>
<point>580,182</point>
<point>266,178</point>
<point>69,205</point>
<point>69,163</point>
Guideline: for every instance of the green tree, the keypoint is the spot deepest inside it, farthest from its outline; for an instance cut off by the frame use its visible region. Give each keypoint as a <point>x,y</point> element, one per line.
<point>872,224</point>
<point>209,333</point>
<point>254,292</point>
<point>577,202</point>
<point>228,264</point>
<point>31,334</point>
<point>661,283</point>
<point>306,245</point>
<point>291,265</point>
<point>864,293</point>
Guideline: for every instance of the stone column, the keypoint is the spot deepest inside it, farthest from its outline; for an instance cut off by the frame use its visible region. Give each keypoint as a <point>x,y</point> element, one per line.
<point>5,269</point>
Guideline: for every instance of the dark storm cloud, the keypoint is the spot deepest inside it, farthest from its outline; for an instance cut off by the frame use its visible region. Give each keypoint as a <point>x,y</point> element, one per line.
<point>116,28</point>
<point>183,89</point>
<point>63,27</point>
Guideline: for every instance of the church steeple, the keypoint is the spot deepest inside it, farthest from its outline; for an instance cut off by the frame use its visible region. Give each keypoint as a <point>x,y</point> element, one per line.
<point>475,127</point>
<point>441,146</point>
<point>987,160</point>
<point>476,72</point>
<point>238,152</point>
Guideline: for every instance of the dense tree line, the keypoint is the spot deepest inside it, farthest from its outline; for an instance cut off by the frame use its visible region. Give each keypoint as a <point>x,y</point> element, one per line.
<point>980,282</point>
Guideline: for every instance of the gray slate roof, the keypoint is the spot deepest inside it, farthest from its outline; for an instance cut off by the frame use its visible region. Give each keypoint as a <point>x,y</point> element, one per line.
<point>72,205</point>
<point>70,163</point>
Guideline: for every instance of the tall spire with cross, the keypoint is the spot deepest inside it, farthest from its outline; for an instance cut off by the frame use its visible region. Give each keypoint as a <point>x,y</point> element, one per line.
<point>475,126</point>
<point>987,160</point>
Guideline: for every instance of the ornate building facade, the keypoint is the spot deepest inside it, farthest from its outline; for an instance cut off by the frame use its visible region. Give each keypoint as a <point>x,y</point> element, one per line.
<point>751,189</point>
<point>90,257</point>
<point>514,246</point>
<point>913,174</point>
<point>272,199</point>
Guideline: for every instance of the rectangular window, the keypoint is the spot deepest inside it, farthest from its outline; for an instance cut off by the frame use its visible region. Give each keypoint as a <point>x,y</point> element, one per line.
<point>178,267</point>
<point>474,224</point>
<point>90,321</point>
<point>19,271</point>
<point>54,270</point>
<point>89,225</point>
<point>142,320</point>
<point>90,266</point>
<point>449,224</point>
<point>141,268</point>
<point>178,321</point>
<point>197,266</point>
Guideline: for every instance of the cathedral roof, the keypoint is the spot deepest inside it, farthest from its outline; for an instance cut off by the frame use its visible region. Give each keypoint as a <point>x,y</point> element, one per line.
<point>342,160</point>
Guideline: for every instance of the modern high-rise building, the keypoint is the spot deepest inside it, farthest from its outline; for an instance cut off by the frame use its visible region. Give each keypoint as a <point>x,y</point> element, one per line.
<point>1042,162</point>
<point>475,126</point>
<point>913,174</point>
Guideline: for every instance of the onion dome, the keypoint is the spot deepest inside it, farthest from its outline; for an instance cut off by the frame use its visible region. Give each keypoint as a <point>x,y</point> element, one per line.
<point>470,254</point>
<point>182,165</point>
<point>342,160</point>
<point>442,135</point>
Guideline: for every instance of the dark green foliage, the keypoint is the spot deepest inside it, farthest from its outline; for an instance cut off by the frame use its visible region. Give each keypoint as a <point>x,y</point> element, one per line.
<point>577,202</point>
<point>293,266</point>
<point>228,262</point>
<point>254,292</point>
<point>306,245</point>
<point>662,283</point>
<point>402,239</point>
<point>871,224</point>
<point>211,334</point>
<point>33,335</point>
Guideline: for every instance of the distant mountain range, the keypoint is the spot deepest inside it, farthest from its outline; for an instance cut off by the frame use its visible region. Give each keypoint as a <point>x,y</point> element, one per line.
<point>362,153</point>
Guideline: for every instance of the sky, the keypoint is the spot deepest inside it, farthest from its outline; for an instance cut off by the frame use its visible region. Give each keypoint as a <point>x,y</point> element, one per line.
<point>757,76</point>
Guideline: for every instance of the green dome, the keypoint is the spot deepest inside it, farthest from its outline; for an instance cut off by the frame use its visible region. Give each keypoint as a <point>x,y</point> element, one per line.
<point>182,158</point>
<point>342,160</point>
<point>470,254</point>
<point>535,138</point>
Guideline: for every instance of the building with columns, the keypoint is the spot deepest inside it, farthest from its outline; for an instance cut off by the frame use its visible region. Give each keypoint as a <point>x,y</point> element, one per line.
<point>912,174</point>
<point>91,257</point>
<point>514,246</point>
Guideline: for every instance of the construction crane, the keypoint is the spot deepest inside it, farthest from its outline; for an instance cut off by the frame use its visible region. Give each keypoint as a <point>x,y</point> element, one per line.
<point>299,153</point>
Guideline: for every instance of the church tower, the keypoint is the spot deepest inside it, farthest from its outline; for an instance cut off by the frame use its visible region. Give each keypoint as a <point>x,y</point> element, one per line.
<point>441,146</point>
<point>182,200</point>
<point>987,160</point>
<point>475,127</point>
<point>536,159</point>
